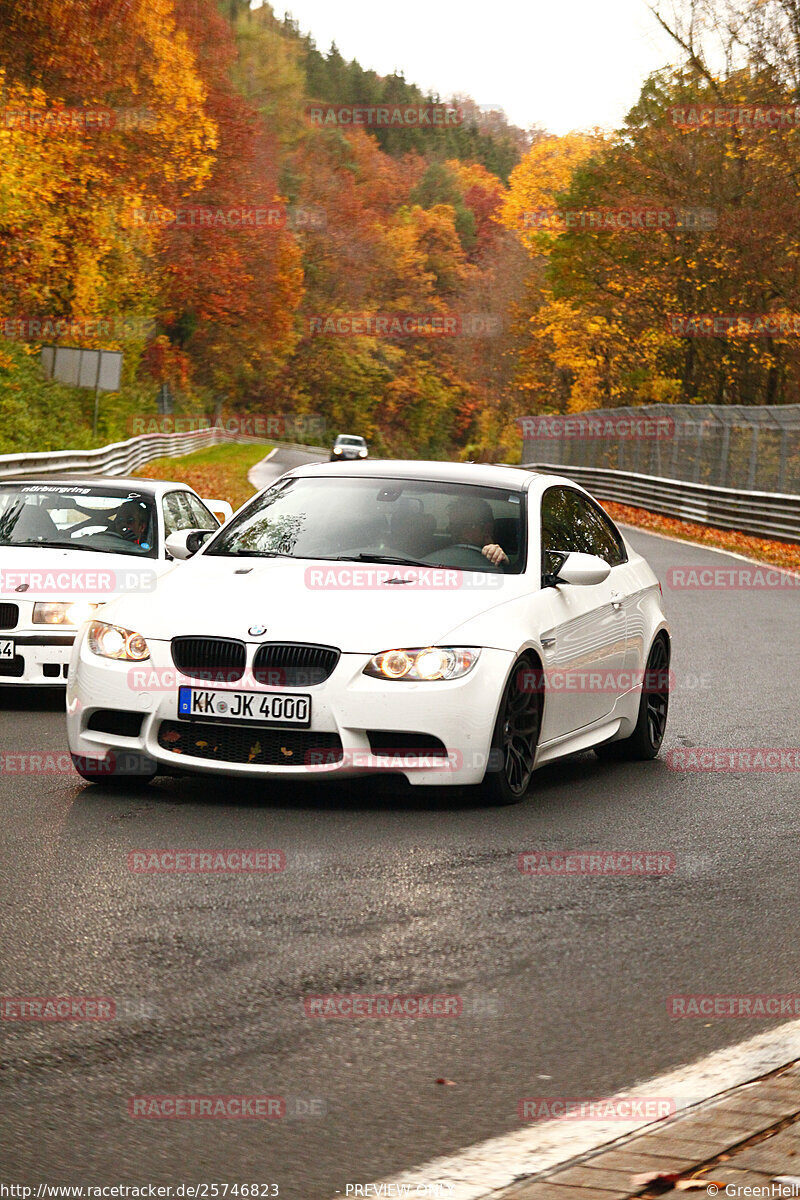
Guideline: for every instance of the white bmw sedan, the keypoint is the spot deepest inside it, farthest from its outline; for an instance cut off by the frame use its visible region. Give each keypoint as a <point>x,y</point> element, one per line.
<point>452,623</point>
<point>68,546</point>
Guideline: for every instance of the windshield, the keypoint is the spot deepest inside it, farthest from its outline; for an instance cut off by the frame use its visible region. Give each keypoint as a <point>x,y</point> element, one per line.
<point>350,441</point>
<point>78,518</point>
<point>393,520</point>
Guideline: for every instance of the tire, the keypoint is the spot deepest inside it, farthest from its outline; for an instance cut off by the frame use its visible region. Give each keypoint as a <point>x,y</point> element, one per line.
<point>645,741</point>
<point>515,738</point>
<point>126,770</point>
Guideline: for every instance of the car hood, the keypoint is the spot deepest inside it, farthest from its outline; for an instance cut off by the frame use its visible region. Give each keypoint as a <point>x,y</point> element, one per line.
<point>54,573</point>
<point>294,600</point>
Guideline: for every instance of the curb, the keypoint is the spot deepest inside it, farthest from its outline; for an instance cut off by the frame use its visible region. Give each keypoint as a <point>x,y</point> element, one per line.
<point>743,1137</point>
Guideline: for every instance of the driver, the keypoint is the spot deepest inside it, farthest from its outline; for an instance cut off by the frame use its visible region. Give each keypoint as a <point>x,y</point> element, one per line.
<point>472,524</point>
<point>131,521</point>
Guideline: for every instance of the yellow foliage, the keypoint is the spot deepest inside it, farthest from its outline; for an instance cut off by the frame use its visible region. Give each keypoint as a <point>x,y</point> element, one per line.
<point>542,175</point>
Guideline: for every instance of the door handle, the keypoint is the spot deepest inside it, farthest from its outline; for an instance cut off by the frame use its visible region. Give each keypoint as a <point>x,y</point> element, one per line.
<point>616,600</point>
<point>548,641</point>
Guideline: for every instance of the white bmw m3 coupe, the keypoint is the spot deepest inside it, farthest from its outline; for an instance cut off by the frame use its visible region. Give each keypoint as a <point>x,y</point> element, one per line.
<point>452,623</point>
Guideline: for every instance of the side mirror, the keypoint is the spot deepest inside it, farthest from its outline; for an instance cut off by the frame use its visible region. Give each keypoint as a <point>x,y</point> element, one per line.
<point>220,508</point>
<point>186,542</point>
<point>582,570</point>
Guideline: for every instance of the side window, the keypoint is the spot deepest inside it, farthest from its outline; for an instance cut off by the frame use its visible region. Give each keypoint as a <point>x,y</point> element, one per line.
<point>201,517</point>
<point>597,531</point>
<point>177,514</point>
<point>572,523</point>
<point>558,529</point>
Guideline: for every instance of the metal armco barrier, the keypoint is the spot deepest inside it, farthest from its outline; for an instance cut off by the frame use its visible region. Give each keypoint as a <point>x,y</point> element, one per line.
<point>765,514</point>
<point>120,458</point>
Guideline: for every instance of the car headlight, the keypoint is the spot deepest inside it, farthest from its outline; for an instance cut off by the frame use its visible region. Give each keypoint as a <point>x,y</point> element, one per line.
<point>111,641</point>
<point>362,454</point>
<point>337,449</point>
<point>63,612</point>
<point>431,662</point>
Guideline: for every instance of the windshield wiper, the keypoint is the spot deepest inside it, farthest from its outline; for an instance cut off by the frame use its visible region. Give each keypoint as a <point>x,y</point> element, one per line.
<point>392,559</point>
<point>53,545</point>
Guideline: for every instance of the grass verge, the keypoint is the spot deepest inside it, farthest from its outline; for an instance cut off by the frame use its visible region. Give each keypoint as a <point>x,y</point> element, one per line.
<point>220,472</point>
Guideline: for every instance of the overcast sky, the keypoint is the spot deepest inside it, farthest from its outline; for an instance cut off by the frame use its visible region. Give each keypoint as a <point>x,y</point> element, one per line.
<point>561,64</point>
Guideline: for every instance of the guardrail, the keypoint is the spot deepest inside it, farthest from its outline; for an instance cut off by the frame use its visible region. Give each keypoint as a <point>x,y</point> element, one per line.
<point>120,458</point>
<point>765,514</point>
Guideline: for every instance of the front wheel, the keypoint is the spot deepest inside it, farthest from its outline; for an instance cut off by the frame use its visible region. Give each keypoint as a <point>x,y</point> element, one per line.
<point>645,741</point>
<point>120,770</point>
<point>516,736</point>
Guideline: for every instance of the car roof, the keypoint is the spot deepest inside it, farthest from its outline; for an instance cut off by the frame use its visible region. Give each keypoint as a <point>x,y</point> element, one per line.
<point>486,474</point>
<point>152,487</point>
<point>355,436</point>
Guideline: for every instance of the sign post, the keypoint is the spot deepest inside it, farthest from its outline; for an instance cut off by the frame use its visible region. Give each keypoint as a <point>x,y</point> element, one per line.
<point>98,369</point>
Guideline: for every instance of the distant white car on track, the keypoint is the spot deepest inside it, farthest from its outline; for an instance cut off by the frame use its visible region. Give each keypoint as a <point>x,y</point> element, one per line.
<point>414,617</point>
<point>68,545</point>
<point>348,447</point>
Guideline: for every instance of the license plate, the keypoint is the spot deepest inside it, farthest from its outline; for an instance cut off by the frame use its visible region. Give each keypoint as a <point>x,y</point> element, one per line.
<point>6,651</point>
<point>257,708</point>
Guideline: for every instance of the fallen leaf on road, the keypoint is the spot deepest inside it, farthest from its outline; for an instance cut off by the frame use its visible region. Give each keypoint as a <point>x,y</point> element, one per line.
<point>696,1185</point>
<point>447,1082</point>
<point>655,1180</point>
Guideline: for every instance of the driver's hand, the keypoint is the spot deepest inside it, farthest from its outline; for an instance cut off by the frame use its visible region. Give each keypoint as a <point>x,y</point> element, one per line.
<point>495,554</point>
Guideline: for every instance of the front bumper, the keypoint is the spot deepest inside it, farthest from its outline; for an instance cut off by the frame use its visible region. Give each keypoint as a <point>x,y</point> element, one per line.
<point>38,659</point>
<point>459,713</point>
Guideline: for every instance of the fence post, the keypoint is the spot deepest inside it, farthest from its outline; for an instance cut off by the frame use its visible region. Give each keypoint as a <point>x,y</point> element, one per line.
<point>751,474</point>
<point>784,456</point>
<point>724,455</point>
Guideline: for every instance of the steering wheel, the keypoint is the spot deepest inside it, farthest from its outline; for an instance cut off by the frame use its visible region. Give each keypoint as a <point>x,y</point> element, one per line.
<point>86,524</point>
<point>463,555</point>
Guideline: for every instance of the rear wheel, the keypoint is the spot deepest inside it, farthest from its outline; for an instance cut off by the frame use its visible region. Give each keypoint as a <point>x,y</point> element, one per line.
<point>516,736</point>
<point>645,741</point>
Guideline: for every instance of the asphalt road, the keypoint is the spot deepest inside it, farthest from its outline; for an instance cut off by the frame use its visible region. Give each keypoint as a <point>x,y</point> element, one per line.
<point>564,980</point>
